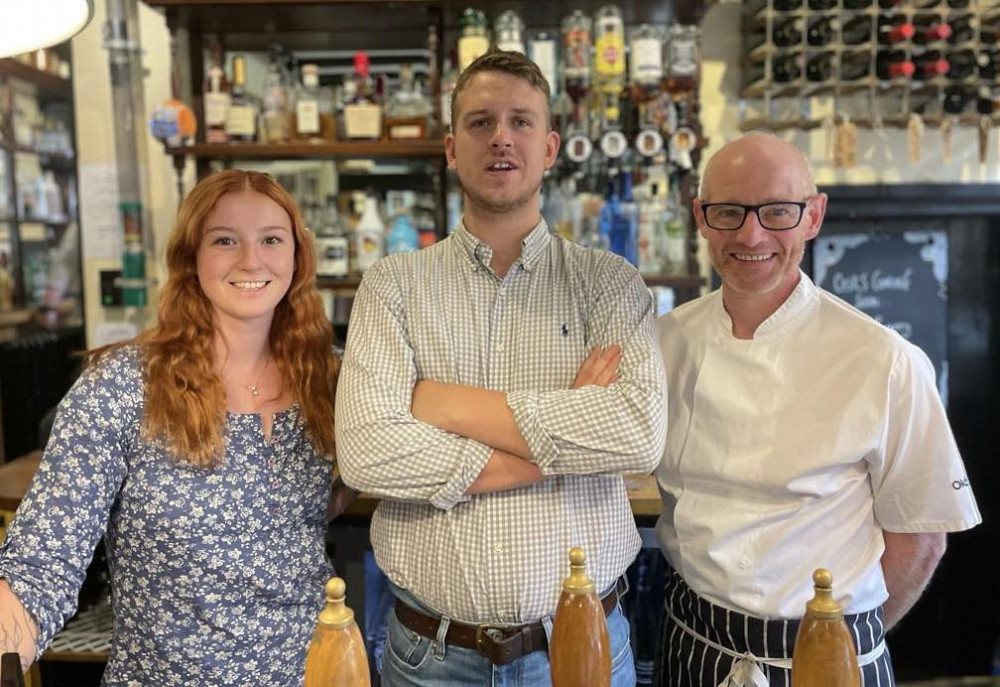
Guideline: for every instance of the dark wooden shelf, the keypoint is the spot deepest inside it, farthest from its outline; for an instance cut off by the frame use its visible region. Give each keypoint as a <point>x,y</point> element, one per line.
<point>50,83</point>
<point>340,149</point>
<point>51,159</point>
<point>688,281</point>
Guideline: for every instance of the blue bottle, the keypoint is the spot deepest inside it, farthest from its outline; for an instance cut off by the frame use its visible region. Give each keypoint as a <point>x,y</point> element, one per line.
<point>403,236</point>
<point>620,223</point>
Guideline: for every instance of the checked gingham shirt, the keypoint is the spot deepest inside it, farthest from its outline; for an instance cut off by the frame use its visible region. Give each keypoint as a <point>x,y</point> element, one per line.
<point>443,314</point>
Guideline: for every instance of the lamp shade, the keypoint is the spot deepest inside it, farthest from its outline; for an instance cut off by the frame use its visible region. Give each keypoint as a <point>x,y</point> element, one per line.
<point>27,25</point>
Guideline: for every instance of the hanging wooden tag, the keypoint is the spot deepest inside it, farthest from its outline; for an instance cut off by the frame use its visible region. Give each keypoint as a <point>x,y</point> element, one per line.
<point>946,151</point>
<point>914,132</point>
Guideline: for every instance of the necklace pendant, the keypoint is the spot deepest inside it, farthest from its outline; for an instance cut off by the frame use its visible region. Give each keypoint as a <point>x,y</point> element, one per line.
<point>254,391</point>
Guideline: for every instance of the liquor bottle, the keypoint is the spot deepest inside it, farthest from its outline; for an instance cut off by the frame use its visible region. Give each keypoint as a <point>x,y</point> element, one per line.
<point>857,30</point>
<point>962,30</point>
<point>336,655</point>
<point>369,235</point>
<point>929,28</point>
<point>509,31</point>
<point>930,64</point>
<point>333,247</point>
<point>576,35</point>
<point>542,51</point>
<point>822,5</point>
<point>407,112</point>
<point>474,39</point>
<point>820,67</point>
<point>820,32</point>
<point>963,64</point>
<point>314,117</point>
<point>276,120</point>
<point>649,248</point>
<point>824,648</point>
<point>894,29</point>
<point>787,32</point>
<point>855,66</point>
<point>402,236</point>
<point>449,77</point>
<point>241,119</point>
<point>580,651</point>
<point>682,54</point>
<point>645,64</point>
<point>893,64</point>
<point>216,99</point>
<point>609,51</point>
<point>362,112</point>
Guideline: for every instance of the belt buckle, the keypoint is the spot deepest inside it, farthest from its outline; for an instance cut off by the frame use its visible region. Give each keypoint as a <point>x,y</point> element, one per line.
<point>482,635</point>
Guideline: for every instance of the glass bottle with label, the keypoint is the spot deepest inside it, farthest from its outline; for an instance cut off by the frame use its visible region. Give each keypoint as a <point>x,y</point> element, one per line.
<point>509,32</point>
<point>402,236</point>
<point>314,120</point>
<point>332,244</point>
<point>682,57</point>
<point>449,77</point>
<point>369,235</point>
<point>646,65</point>
<point>241,120</point>
<point>407,112</point>
<point>542,51</point>
<point>276,120</point>
<point>609,60</point>
<point>216,98</point>
<point>474,39</point>
<point>362,112</point>
<point>576,34</point>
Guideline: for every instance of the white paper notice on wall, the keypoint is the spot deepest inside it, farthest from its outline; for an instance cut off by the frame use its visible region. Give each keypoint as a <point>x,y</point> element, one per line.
<point>99,219</point>
<point>112,332</point>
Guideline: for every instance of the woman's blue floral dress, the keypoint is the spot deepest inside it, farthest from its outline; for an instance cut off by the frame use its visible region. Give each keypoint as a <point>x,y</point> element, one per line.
<point>217,574</point>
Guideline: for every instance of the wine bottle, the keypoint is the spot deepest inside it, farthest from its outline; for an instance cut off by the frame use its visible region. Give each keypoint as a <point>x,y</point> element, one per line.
<point>930,28</point>
<point>962,30</point>
<point>820,67</point>
<point>785,68</point>
<point>857,4</point>
<point>822,5</point>
<point>857,30</point>
<point>787,32</point>
<point>894,29</point>
<point>820,32</point>
<point>962,64</point>
<point>925,4</point>
<point>930,64</point>
<point>956,99</point>
<point>893,64</point>
<point>855,66</point>
<point>989,29</point>
<point>958,4</point>
<point>889,4</point>
<point>787,5</point>
<point>988,62</point>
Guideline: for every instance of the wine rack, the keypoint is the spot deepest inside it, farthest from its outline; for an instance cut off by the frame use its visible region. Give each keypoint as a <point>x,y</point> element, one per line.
<point>881,61</point>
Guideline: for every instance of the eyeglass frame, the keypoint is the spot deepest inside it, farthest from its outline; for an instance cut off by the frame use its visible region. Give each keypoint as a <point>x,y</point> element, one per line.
<point>801,204</point>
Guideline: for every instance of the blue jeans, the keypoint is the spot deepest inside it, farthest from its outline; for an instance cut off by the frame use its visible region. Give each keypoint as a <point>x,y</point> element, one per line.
<point>412,660</point>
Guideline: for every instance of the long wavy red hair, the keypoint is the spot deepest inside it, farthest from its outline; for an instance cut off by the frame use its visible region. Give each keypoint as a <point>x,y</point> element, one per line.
<point>185,402</point>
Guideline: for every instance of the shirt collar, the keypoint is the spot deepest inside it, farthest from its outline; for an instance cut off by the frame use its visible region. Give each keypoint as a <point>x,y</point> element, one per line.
<point>798,304</point>
<point>478,254</point>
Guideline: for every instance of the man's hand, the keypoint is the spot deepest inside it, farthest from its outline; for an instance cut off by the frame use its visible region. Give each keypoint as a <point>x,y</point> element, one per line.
<point>600,368</point>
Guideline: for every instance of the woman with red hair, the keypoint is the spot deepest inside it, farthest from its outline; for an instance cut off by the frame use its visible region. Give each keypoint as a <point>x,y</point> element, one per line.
<point>202,450</point>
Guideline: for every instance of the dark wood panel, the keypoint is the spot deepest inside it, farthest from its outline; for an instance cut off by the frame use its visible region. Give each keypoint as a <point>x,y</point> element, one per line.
<point>49,83</point>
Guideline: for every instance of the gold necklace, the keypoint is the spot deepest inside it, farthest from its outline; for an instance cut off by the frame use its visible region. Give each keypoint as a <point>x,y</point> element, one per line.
<point>254,388</point>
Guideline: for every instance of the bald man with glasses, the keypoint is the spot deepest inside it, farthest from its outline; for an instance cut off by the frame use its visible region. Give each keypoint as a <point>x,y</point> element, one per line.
<point>800,434</point>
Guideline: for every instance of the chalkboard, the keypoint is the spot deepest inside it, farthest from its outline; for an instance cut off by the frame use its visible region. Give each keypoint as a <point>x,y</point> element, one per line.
<point>899,278</point>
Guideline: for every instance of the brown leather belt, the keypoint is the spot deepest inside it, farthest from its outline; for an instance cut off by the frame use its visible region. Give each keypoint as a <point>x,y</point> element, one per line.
<point>499,644</point>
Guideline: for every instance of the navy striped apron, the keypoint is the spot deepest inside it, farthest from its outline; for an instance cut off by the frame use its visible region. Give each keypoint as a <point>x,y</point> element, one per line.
<point>704,645</point>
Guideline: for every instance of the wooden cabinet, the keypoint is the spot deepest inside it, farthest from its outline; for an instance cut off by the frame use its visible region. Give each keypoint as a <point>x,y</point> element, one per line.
<point>327,32</point>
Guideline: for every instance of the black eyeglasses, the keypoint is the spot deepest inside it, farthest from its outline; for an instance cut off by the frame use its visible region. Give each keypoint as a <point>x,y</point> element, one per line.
<point>780,216</point>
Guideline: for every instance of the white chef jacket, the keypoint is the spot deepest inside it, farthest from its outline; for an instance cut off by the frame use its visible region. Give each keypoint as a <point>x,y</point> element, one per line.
<point>796,449</point>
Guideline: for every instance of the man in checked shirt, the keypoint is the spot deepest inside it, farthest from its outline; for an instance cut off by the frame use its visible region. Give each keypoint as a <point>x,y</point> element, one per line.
<point>495,388</point>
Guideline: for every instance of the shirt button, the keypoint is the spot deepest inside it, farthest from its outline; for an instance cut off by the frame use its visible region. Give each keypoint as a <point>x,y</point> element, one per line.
<point>498,548</point>
<point>744,563</point>
<point>499,348</point>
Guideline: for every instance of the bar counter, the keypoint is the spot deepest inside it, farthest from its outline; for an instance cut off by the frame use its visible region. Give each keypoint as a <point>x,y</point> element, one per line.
<point>16,475</point>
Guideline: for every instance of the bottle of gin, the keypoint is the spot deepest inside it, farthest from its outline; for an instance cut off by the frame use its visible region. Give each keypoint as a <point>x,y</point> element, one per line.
<point>332,244</point>
<point>509,31</point>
